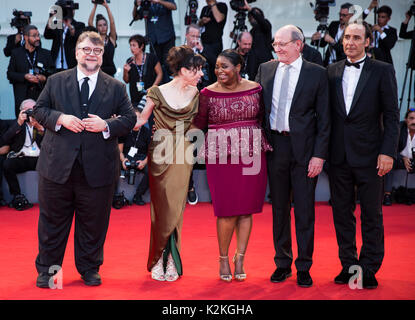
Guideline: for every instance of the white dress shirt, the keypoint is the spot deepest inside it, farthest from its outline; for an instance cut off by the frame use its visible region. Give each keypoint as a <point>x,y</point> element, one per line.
<point>294,75</point>
<point>410,143</point>
<point>351,77</point>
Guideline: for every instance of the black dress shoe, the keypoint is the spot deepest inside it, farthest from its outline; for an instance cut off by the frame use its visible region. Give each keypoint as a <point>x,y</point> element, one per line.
<point>387,200</point>
<point>3,203</point>
<point>369,280</point>
<point>343,277</point>
<point>138,200</point>
<point>42,280</point>
<point>304,279</point>
<point>91,278</point>
<point>281,274</point>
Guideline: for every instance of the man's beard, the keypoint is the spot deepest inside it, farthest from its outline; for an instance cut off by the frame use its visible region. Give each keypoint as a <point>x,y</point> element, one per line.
<point>85,66</point>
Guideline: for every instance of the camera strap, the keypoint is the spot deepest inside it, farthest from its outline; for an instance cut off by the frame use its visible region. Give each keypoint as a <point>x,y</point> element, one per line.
<point>142,68</point>
<point>32,63</point>
<point>32,140</point>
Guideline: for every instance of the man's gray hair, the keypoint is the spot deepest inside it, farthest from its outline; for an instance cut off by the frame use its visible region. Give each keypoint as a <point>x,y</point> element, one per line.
<point>296,33</point>
<point>192,26</point>
<point>26,101</point>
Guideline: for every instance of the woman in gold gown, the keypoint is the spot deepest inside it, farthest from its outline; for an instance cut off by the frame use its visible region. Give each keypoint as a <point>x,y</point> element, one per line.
<point>174,106</point>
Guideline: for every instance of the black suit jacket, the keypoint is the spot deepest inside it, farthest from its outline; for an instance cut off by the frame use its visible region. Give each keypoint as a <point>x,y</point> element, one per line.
<point>69,43</point>
<point>383,52</point>
<point>100,157</point>
<point>309,117</point>
<point>19,66</point>
<point>372,125</point>
<point>11,45</point>
<point>337,47</point>
<point>312,55</point>
<point>15,136</point>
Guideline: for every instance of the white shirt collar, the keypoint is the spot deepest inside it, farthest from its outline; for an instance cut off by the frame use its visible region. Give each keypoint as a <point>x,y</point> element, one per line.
<point>297,64</point>
<point>359,60</point>
<point>80,75</point>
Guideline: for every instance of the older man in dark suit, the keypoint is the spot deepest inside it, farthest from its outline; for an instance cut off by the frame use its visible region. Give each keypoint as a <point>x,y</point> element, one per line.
<point>363,145</point>
<point>78,165</point>
<point>297,123</point>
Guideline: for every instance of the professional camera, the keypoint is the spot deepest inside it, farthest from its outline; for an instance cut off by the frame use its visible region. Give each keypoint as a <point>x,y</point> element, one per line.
<point>20,203</point>
<point>100,1</point>
<point>191,12</point>
<point>28,112</point>
<point>119,201</point>
<point>67,8</point>
<point>321,11</point>
<point>412,161</point>
<point>131,171</point>
<point>237,5</point>
<point>40,69</point>
<point>18,21</point>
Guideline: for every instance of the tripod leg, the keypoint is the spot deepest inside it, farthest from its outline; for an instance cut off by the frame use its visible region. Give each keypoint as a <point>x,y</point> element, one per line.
<point>410,86</point>
<point>403,88</point>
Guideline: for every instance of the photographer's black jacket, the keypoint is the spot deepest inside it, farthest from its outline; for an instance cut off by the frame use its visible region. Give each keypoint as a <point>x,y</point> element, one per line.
<point>69,43</point>
<point>141,143</point>
<point>15,136</point>
<point>11,45</point>
<point>19,66</point>
<point>261,38</point>
<point>338,47</point>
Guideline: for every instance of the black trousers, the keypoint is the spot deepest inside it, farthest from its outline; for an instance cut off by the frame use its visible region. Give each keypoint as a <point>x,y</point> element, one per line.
<point>212,50</point>
<point>287,176</point>
<point>161,50</point>
<point>343,180</point>
<point>2,158</point>
<point>58,203</point>
<point>13,166</point>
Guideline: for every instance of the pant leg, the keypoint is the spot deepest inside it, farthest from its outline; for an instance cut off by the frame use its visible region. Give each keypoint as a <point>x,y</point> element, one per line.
<point>304,212</point>
<point>343,198</point>
<point>92,213</point>
<point>370,187</point>
<point>14,166</point>
<point>389,181</point>
<point>144,183</point>
<point>278,165</point>
<point>2,158</point>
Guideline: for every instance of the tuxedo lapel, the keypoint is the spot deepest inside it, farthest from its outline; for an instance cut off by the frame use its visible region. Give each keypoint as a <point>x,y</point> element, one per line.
<point>269,85</point>
<point>72,88</point>
<point>339,85</point>
<point>98,94</point>
<point>301,80</point>
<point>364,77</point>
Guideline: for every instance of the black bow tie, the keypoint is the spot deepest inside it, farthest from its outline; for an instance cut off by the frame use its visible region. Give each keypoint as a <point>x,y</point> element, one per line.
<point>354,64</point>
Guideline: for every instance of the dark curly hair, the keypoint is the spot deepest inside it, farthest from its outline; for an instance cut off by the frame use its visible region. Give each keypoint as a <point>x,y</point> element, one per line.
<point>184,57</point>
<point>233,56</point>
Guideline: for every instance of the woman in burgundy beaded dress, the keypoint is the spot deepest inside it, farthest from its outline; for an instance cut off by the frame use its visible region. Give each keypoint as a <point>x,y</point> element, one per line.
<point>234,151</point>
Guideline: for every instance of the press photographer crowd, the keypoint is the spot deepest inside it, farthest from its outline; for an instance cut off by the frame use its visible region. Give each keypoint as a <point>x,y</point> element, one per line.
<point>31,65</point>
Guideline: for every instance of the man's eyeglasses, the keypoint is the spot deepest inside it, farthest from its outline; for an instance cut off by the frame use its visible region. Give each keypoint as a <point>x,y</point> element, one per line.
<point>281,44</point>
<point>88,50</point>
<point>344,15</point>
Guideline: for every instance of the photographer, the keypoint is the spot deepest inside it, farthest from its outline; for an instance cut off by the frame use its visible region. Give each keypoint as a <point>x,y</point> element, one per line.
<point>133,150</point>
<point>24,137</point>
<point>28,66</point>
<point>250,66</point>
<point>405,159</point>
<point>384,36</point>
<point>212,20</point>
<point>160,28</point>
<point>261,34</point>
<point>20,20</point>
<point>142,70</point>
<point>309,53</point>
<point>333,37</point>
<point>110,40</point>
<point>403,32</point>
<point>65,58</point>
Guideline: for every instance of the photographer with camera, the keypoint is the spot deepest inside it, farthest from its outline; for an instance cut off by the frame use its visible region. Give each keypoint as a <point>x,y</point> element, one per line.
<point>24,137</point>
<point>159,27</point>
<point>110,40</point>
<point>250,66</point>
<point>142,70</point>
<point>261,34</point>
<point>64,58</point>
<point>212,20</point>
<point>133,156</point>
<point>20,21</point>
<point>384,36</point>
<point>28,68</point>
<point>333,36</point>
<point>406,158</point>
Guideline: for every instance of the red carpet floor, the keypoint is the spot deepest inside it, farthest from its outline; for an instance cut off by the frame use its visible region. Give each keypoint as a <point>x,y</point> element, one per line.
<point>124,270</point>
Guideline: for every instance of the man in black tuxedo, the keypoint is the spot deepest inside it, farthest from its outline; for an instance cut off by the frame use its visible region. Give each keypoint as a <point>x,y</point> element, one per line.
<point>79,165</point>
<point>70,33</point>
<point>333,36</point>
<point>363,145</point>
<point>384,36</point>
<point>297,124</point>
<point>24,136</point>
<point>26,68</point>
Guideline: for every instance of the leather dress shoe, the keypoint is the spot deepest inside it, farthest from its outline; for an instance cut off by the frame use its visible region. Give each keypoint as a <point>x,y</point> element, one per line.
<point>91,278</point>
<point>281,274</point>
<point>304,279</point>
<point>387,200</point>
<point>343,277</point>
<point>369,280</point>
<point>42,280</point>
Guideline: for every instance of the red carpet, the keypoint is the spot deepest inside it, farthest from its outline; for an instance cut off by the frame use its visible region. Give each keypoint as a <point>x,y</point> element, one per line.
<point>124,270</point>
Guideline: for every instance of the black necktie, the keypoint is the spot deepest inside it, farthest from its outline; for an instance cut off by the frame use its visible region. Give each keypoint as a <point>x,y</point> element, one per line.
<point>354,64</point>
<point>84,97</point>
